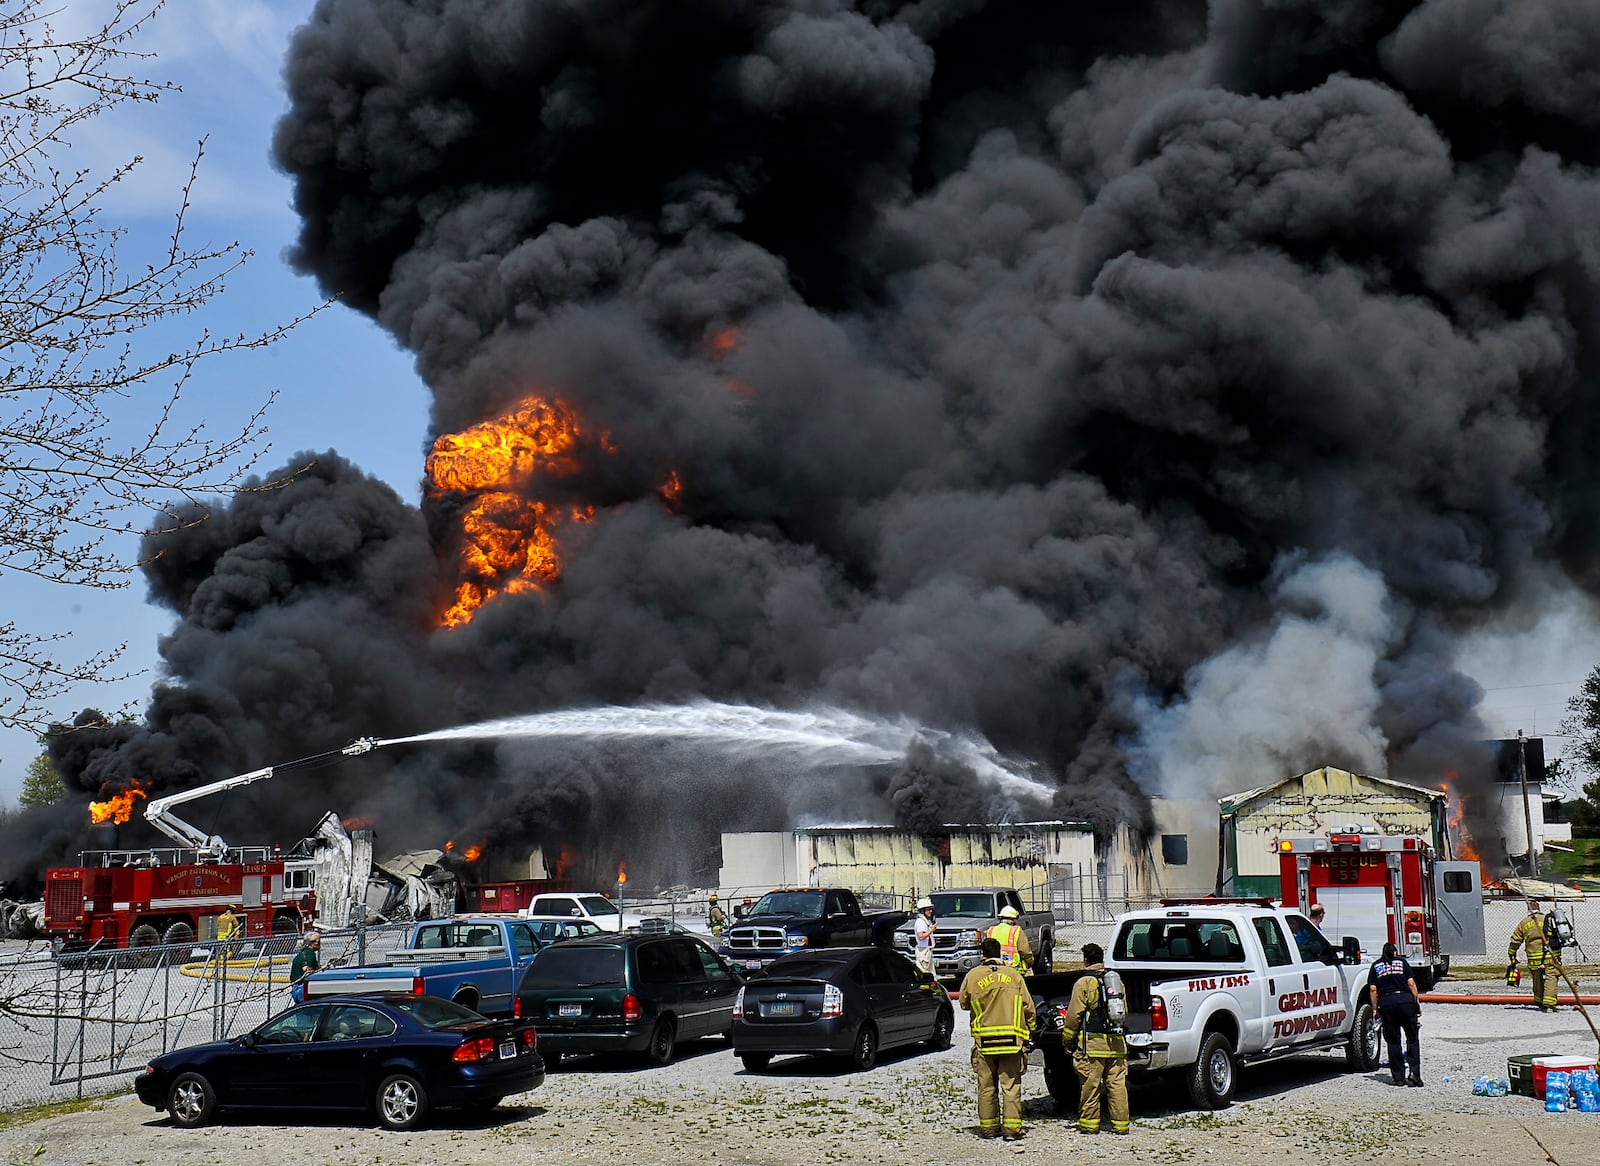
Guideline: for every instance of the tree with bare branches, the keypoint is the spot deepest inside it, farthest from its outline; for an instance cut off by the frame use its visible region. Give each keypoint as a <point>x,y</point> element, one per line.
<point>91,441</point>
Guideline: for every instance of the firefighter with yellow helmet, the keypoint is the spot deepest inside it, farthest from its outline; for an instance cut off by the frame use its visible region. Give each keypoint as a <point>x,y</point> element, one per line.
<point>1003,1020</point>
<point>1013,941</point>
<point>1542,962</point>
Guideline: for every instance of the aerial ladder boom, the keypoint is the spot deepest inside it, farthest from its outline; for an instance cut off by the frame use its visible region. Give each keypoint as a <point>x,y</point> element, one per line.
<point>158,811</point>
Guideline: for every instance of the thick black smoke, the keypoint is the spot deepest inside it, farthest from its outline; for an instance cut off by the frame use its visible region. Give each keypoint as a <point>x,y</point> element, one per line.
<point>1119,387</point>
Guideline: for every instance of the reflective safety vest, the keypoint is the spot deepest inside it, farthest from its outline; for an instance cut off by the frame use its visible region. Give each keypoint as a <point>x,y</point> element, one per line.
<point>1002,1009</point>
<point>1011,939</point>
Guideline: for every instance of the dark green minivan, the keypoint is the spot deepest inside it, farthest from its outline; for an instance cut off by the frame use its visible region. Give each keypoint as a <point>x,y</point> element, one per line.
<point>638,992</point>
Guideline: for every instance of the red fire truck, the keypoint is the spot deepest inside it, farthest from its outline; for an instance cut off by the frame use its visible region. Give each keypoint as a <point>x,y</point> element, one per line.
<point>1386,888</point>
<point>139,898</point>
<point>145,897</point>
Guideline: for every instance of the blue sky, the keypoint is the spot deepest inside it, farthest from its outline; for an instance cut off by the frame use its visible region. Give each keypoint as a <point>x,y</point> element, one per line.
<point>343,384</point>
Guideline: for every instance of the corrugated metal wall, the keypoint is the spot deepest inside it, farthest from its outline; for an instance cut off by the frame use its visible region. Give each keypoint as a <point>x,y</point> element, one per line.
<point>1316,803</point>
<point>902,864</point>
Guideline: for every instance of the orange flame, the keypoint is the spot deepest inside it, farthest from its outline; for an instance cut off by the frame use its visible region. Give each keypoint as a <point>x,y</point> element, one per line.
<point>565,860</point>
<point>508,540</point>
<point>622,872</point>
<point>672,490</point>
<point>1461,841</point>
<point>473,852</point>
<point>362,823</point>
<point>118,808</point>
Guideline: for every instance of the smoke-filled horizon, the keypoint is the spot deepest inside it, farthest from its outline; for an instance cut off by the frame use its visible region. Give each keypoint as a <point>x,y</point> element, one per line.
<point>1159,395</point>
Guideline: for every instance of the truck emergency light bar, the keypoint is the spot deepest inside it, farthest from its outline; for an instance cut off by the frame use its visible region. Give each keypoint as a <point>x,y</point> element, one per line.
<point>1345,840</point>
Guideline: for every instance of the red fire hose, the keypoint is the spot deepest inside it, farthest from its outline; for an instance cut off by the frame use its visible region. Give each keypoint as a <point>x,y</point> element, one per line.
<point>1519,998</point>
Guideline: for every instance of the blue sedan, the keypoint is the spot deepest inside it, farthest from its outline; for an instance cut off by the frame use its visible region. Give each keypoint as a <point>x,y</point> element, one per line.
<point>398,1055</point>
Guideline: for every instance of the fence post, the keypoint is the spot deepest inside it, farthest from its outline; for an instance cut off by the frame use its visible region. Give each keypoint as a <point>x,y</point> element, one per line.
<point>361,934</point>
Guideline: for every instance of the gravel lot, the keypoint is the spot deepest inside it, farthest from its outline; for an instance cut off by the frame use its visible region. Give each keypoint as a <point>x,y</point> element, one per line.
<point>916,1107</point>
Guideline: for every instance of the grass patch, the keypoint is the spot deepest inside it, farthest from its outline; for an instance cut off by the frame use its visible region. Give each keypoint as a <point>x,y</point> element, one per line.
<point>17,1117</point>
<point>1582,863</point>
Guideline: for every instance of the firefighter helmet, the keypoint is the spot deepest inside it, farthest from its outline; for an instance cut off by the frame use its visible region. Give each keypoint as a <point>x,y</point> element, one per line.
<point>924,904</point>
<point>1009,912</point>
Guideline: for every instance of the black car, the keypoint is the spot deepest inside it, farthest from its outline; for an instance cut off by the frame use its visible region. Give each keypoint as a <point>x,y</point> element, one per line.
<point>639,992</point>
<point>400,1055</point>
<point>846,1001</point>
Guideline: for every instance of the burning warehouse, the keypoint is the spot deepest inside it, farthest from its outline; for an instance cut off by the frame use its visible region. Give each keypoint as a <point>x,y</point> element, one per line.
<point>1150,398</point>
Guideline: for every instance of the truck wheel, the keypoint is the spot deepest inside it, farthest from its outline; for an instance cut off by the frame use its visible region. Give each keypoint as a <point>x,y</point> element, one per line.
<point>1214,1073</point>
<point>141,937</point>
<point>1045,962</point>
<point>755,1062</point>
<point>402,1102</point>
<point>865,1053</point>
<point>663,1043</point>
<point>1424,979</point>
<point>177,933</point>
<point>1361,1049</point>
<point>1061,1082</point>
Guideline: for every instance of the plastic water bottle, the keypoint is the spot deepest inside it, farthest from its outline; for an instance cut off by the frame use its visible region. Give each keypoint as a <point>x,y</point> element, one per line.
<point>1557,1096</point>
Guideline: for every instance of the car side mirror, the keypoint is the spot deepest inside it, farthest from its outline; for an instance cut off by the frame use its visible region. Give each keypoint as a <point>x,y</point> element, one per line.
<point>1350,948</point>
<point>247,1040</point>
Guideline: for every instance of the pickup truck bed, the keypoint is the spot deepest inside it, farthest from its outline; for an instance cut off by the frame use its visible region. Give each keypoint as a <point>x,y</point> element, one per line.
<point>448,958</point>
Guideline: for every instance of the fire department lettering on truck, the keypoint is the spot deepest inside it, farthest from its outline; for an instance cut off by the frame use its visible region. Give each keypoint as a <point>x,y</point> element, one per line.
<point>1213,983</point>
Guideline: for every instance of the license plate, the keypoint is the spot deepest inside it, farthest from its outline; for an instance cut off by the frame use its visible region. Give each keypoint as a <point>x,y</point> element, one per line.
<point>752,965</point>
<point>508,1050</point>
<point>570,1010</point>
<point>784,1008</point>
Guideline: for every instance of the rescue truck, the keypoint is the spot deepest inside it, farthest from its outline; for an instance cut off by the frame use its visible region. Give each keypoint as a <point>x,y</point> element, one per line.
<point>1387,888</point>
<point>175,895</point>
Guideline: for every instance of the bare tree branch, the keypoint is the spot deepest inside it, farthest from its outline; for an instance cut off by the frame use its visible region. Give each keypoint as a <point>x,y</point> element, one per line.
<point>76,368</point>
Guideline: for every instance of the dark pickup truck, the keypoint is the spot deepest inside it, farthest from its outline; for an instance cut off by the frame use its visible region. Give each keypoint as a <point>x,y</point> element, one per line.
<point>786,921</point>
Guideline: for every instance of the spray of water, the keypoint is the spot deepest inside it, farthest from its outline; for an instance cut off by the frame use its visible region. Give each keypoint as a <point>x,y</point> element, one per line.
<point>812,737</point>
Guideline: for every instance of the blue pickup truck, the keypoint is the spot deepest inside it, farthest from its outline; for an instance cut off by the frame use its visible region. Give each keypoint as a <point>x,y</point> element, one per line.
<point>474,960</point>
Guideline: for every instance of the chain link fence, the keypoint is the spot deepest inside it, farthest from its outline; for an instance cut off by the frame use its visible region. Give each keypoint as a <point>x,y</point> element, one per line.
<point>80,1024</point>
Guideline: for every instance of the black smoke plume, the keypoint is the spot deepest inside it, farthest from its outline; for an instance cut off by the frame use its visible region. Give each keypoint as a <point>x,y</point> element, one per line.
<point>1161,395</point>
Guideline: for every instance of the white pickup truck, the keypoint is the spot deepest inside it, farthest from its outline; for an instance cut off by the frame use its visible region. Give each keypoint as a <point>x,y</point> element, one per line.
<point>1213,984</point>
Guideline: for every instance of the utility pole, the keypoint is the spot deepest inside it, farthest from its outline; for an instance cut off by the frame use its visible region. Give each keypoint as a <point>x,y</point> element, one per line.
<point>1527,813</point>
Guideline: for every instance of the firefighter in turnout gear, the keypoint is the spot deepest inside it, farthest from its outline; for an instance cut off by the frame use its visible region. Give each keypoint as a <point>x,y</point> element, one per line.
<point>1542,962</point>
<point>1099,1049</point>
<point>1014,946</point>
<point>229,931</point>
<point>716,917</point>
<point>1003,1019</point>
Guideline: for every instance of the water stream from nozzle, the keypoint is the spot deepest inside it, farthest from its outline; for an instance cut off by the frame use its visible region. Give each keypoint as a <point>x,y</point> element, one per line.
<point>815,737</point>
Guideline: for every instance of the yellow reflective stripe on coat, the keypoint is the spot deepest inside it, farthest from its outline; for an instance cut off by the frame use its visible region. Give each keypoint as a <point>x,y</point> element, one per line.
<point>999,1037</point>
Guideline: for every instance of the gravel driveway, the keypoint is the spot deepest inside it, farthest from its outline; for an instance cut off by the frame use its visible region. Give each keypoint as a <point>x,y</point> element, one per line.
<point>916,1107</point>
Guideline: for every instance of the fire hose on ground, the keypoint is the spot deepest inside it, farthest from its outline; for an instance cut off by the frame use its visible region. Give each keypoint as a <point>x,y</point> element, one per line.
<point>1576,998</point>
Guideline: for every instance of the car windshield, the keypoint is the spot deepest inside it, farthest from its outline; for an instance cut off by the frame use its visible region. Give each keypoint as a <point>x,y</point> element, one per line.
<point>806,904</point>
<point>574,967</point>
<point>963,906</point>
<point>599,905</point>
<point>431,1012</point>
